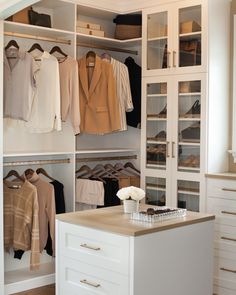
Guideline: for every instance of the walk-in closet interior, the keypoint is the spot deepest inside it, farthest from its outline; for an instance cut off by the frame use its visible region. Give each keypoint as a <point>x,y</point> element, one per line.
<point>174,70</point>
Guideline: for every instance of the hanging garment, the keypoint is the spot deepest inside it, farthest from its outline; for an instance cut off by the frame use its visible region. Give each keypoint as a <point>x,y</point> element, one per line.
<point>111,187</point>
<point>21,220</point>
<point>123,90</point>
<point>46,110</point>
<point>69,86</point>
<point>19,84</point>
<point>99,108</point>
<point>47,212</point>
<point>60,208</point>
<point>90,192</point>
<point>135,74</point>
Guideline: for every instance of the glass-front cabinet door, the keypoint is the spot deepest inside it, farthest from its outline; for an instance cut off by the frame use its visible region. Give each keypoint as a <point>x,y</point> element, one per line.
<point>155,191</point>
<point>188,195</point>
<point>157,124</point>
<point>189,37</point>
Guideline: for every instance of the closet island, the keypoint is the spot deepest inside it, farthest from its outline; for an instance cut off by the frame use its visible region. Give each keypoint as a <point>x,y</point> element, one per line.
<point>102,251</point>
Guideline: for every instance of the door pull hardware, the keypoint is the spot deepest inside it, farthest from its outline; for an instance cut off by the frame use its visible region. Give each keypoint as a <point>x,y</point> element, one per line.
<point>173,149</point>
<point>174,59</point>
<point>228,189</point>
<point>228,212</point>
<point>95,285</point>
<point>228,239</point>
<point>90,247</point>
<point>228,270</point>
<point>167,149</point>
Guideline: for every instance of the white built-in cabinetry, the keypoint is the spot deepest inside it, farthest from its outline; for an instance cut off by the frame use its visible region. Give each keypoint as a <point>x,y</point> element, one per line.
<point>181,67</point>
<point>61,153</point>
<point>221,201</point>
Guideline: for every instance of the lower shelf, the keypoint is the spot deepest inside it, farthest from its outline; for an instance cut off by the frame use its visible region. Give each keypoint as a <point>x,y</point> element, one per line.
<point>23,279</point>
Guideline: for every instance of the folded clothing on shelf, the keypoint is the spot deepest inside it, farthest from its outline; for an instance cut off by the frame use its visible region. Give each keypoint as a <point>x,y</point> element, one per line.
<point>161,136</point>
<point>128,19</point>
<point>194,111</point>
<point>192,161</point>
<point>128,26</point>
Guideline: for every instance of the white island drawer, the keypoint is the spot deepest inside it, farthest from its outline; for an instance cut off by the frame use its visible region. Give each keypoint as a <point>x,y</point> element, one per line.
<point>225,265</point>
<point>95,247</point>
<point>78,278</point>
<point>224,287</point>
<point>221,188</point>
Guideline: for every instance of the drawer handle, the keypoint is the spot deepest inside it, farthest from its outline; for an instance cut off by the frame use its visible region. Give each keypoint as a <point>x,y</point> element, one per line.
<point>228,270</point>
<point>228,189</point>
<point>95,285</point>
<point>228,212</point>
<point>228,239</point>
<point>90,247</point>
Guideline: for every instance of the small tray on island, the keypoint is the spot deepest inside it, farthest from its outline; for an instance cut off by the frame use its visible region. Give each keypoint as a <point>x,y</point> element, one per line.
<point>156,214</point>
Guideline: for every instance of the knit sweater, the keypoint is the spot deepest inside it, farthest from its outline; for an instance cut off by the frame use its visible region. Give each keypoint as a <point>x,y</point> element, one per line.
<point>21,227</point>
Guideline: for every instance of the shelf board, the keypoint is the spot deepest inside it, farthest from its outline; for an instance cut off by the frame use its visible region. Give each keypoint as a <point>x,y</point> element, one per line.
<point>155,188</point>
<point>33,154</point>
<point>157,38</point>
<point>189,143</point>
<point>189,119</point>
<point>105,41</point>
<point>156,166</point>
<point>190,94</point>
<point>19,28</point>
<point>156,142</point>
<point>188,193</point>
<point>157,95</point>
<point>23,279</point>
<point>102,151</point>
<point>188,168</point>
<point>156,119</point>
<point>190,34</point>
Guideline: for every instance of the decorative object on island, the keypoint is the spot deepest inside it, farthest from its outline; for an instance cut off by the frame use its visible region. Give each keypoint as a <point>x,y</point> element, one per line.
<point>131,196</point>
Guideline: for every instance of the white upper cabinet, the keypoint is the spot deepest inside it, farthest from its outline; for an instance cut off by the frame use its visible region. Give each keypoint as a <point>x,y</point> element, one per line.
<point>174,39</point>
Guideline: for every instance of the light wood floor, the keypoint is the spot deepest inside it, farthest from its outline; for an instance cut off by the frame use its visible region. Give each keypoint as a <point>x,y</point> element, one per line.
<point>47,290</point>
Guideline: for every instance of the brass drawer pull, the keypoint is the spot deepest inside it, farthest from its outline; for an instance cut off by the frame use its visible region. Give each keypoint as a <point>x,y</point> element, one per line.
<point>228,189</point>
<point>174,59</point>
<point>95,285</point>
<point>168,59</point>
<point>228,212</point>
<point>173,149</point>
<point>167,149</point>
<point>90,247</point>
<point>228,270</point>
<point>228,239</point>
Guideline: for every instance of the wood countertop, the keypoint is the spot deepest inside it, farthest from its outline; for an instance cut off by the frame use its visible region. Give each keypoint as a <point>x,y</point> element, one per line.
<point>113,220</point>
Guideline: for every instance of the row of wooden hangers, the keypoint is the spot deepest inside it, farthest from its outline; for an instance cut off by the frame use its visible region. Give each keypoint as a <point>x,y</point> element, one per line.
<point>35,46</point>
<point>108,171</point>
<point>28,172</point>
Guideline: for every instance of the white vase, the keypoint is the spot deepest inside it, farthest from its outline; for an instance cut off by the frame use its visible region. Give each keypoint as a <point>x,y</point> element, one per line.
<point>130,206</point>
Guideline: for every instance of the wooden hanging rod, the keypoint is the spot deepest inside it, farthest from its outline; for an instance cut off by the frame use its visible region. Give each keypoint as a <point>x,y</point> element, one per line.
<point>135,52</point>
<point>101,159</point>
<point>36,162</point>
<point>27,36</point>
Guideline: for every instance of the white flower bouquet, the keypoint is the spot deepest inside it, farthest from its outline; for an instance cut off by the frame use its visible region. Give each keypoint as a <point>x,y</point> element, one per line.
<point>131,193</point>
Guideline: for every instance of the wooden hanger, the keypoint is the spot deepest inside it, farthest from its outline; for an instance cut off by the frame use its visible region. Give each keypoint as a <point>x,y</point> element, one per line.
<point>88,173</point>
<point>28,173</point>
<point>90,59</point>
<point>114,171</point>
<point>58,50</point>
<point>36,46</point>
<point>42,171</point>
<point>12,43</point>
<point>130,165</point>
<point>119,167</point>
<point>14,173</point>
<point>105,172</point>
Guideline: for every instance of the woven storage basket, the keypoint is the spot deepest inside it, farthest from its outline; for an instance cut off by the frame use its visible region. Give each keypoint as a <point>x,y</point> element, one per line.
<point>128,32</point>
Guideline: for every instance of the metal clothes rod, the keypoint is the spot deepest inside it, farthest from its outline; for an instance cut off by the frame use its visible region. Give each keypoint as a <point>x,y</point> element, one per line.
<point>135,52</point>
<point>100,159</point>
<point>36,162</point>
<point>27,36</point>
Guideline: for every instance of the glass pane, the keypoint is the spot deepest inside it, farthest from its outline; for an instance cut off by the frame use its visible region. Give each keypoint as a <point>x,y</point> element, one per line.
<point>155,191</point>
<point>190,36</point>
<point>189,125</point>
<point>156,125</point>
<point>157,41</point>
<point>188,195</point>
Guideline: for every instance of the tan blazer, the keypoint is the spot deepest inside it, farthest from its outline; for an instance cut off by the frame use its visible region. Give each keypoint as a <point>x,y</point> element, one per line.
<point>99,108</point>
